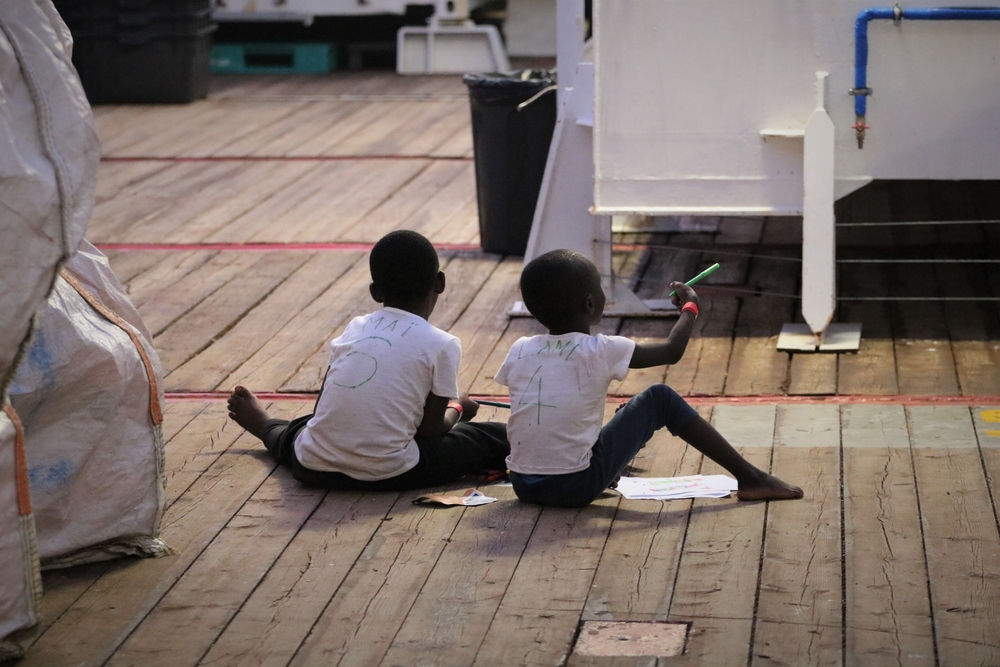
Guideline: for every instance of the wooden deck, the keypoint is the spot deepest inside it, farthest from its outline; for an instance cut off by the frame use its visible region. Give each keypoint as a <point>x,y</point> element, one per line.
<point>893,557</point>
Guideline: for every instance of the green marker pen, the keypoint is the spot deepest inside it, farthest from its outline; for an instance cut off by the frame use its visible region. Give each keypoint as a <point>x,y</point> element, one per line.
<point>698,277</point>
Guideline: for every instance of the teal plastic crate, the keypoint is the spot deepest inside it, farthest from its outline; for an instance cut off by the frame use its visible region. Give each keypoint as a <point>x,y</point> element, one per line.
<point>268,58</point>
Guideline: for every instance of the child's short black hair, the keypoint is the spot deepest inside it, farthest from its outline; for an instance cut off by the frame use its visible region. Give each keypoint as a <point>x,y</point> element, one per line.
<point>404,265</point>
<point>553,285</point>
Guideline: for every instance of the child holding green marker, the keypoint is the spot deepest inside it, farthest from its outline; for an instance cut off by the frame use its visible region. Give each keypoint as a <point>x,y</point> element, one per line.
<point>559,452</point>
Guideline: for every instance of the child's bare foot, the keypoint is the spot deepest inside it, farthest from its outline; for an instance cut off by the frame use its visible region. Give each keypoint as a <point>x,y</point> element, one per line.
<point>246,410</point>
<point>767,487</point>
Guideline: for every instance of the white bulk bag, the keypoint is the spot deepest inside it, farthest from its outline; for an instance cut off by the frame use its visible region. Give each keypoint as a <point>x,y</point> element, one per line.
<point>48,167</point>
<point>87,392</point>
<point>21,585</point>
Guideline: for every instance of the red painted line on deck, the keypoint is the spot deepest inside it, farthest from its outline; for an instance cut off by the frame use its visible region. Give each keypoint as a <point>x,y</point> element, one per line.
<point>266,247</point>
<point>278,158</point>
<point>916,401</point>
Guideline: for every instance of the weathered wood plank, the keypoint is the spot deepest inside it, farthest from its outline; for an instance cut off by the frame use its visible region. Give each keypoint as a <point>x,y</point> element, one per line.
<point>64,587</point>
<point>421,130</point>
<point>269,138</point>
<point>295,358</point>
<point>196,447</point>
<point>316,118</point>
<point>258,223</point>
<point>463,228</point>
<point>482,324</point>
<point>813,374</point>
<point>223,124</point>
<point>440,131</point>
<point>443,211</point>
<point>131,124</point>
<point>517,327</point>
<point>331,217</point>
<point>112,218</point>
<point>375,132</point>
<point>113,177</point>
<point>720,565</point>
<point>238,196</point>
<point>196,329</point>
<point>960,535</point>
<point>973,329</point>
<point>654,283</point>
<point>888,615</point>
<point>924,359</point>
<point>273,622</point>
<point>449,618</point>
<point>704,368</point>
<point>756,366</point>
<point>459,144</point>
<point>987,421</point>
<point>545,598</point>
<point>397,208</point>
<point>799,609</point>
<point>225,182</point>
<point>229,351</point>
<point>314,216</point>
<point>128,265</point>
<point>103,617</point>
<point>872,371</point>
<point>205,598</point>
<point>160,303</point>
<point>635,578</point>
<point>324,142</point>
<point>362,617</point>
<point>165,268</point>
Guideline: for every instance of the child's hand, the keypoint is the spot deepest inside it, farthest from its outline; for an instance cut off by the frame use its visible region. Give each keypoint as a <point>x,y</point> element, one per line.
<point>684,294</point>
<point>469,408</point>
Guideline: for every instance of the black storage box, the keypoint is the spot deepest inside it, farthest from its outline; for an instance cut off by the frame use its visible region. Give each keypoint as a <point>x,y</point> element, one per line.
<point>513,117</point>
<point>141,51</point>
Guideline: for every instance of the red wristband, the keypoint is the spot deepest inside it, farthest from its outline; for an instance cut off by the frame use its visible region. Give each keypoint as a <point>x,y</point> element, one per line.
<point>691,307</point>
<point>457,406</point>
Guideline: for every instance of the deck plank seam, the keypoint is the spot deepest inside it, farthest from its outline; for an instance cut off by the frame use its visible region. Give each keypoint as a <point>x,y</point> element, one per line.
<point>347,572</point>
<point>990,481</point>
<point>135,622</point>
<point>923,543</point>
<point>760,560</point>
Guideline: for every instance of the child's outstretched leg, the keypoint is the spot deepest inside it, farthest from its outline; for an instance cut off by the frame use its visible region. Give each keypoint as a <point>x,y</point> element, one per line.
<point>246,410</point>
<point>754,483</point>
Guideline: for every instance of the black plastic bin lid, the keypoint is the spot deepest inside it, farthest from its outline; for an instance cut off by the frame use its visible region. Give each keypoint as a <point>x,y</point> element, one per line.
<point>498,88</point>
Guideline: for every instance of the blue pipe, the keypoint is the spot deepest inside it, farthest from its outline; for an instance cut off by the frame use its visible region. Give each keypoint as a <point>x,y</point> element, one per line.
<point>896,14</point>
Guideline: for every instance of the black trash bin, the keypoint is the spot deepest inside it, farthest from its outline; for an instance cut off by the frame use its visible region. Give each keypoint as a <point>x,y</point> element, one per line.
<point>513,116</point>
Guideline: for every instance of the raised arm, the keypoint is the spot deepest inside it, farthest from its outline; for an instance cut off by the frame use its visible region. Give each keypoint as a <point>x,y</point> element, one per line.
<point>439,417</point>
<point>671,350</point>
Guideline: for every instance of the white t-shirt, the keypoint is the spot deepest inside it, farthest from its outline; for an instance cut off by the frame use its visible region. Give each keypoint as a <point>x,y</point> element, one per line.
<point>558,386</point>
<point>381,370</point>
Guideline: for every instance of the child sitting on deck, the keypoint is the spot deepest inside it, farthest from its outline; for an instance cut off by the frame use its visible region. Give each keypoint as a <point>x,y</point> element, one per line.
<point>383,420</point>
<point>558,385</point>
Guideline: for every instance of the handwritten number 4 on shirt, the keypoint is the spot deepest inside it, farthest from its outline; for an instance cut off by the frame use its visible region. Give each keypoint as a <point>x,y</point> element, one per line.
<point>536,382</point>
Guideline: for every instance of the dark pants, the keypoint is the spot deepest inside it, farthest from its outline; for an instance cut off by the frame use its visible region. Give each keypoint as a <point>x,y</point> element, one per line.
<point>468,448</point>
<point>620,440</point>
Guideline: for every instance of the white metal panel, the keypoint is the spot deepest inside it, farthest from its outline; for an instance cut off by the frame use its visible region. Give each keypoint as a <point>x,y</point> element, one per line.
<point>294,9</point>
<point>684,88</point>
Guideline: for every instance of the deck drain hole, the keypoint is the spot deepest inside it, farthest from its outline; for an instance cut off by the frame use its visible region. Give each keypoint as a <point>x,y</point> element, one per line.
<point>631,638</point>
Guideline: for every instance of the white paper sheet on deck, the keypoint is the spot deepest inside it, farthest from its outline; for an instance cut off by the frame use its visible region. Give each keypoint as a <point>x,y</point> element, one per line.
<point>675,488</point>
